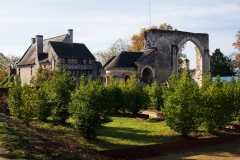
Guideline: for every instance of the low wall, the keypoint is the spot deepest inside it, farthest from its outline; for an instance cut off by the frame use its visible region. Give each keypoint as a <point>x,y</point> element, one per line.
<point>159,149</point>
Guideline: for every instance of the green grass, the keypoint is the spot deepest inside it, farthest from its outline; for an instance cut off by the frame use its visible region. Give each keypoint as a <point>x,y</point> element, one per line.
<point>42,140</point>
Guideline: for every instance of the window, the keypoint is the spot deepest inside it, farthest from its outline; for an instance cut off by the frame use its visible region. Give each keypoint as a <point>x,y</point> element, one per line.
<point>80,61</point>
<point>44,66</point>
<point>31,70</point>
<point>66,60</point>
<point>90,61</point>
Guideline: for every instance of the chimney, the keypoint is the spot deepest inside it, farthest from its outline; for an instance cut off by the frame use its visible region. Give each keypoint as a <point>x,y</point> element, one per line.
<point>70,33</point>
<point>33,40</point>
<point>39,41</point>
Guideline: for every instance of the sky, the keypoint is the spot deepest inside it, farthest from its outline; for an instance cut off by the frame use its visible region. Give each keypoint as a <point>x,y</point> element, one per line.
<point>99,23</point>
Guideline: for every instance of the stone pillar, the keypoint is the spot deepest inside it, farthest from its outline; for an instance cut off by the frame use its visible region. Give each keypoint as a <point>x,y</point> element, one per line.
<point>174,53</point>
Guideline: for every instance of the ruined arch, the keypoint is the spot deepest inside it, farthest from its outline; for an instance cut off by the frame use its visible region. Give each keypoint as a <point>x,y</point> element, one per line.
<point>147,75</point>
<point>167,45</point>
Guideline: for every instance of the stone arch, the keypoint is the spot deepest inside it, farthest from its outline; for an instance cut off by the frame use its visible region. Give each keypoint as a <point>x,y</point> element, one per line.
<point>166,60</point>
<point>147,75</point>
<point>126,77</point>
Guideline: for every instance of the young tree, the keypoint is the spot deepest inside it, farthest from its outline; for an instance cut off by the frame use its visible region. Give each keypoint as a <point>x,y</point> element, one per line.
<point>90,108</point>
<point>155,96</point>
<point>15,102</point>
<point>217,106</point>
<point>135,97</point>
<point>58,90</point>
<point>181,103</point>
<point>116,94</point>
<point>220,64</point>
<point>4,66</point>
<point>237,43</point>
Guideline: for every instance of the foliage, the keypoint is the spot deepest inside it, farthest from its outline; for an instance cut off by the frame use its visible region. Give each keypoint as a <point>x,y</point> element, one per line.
<point>43,106</point>
<point>116,94</point>
<point>220,64</point>
<point>155,96</point>
<point>181,103</point>
<point>4,66</point>
<point>41,77</point>
<point>15,102</point>
<point>90,108</point>
<point>114,50</point>
<point>8,82</point>
<point>217,106</point>
<point>13,59</point>
<point>237,43</point>
<point>58,90</point>
<point>29,99</point>
<point>135,97</point>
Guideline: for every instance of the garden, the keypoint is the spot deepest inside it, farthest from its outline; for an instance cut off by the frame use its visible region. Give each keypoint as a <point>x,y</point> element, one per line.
<point>55,117</point>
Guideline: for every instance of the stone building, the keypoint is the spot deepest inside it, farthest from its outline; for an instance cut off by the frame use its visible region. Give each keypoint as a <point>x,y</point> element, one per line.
<point>57,53</point>
<point>159,58</point>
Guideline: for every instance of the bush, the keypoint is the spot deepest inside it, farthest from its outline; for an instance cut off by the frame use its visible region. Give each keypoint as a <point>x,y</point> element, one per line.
<point>155,96</point>
<point>58,90</point>
<point>181,103</point>
<point>15,103</point>
<point>217,103</point>
<point>116,94</point>
<point>135,97</point>
<point>90,108</point>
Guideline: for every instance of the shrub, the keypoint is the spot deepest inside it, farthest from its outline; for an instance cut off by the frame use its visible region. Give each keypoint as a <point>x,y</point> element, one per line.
<point>116,94</point>
<point>181,103</point>
<point>15,103</point>
<point>155,96</point>
<point>90,108</point>
<point>58,90</point>
<point>135,97</point>
<point>217,104</point>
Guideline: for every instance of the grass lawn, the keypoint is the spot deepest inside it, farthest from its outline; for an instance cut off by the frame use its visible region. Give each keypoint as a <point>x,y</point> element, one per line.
<point>40,140</point>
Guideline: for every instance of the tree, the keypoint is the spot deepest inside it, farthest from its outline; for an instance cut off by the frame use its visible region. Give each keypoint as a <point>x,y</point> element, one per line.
<point>135,97</point>
<point>4,66</point>
<point>90,108</point>
<point>59,89</point>
<point>155,96</point>
<point>217,103</point>
<point>13,59</point>
<point>220,64</point>
<point>237,43</point>
<point>41,77</point>
<point>181,103</point>
<point>236,60</point>
<point>115,49</point>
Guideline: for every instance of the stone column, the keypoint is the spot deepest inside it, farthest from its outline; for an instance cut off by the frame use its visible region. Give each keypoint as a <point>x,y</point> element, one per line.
<point>174,53</point>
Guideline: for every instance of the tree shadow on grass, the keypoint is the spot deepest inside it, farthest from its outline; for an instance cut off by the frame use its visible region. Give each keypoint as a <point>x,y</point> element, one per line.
<point>29,142</point>
<point>134,137</point>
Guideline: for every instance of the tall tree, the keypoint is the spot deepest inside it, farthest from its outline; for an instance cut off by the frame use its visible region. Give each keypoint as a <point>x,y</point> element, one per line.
<point>4,66</point>
<point>237,43</point>
<point>236,59</point>
<point>118,46</point>
<point>220,64</point>
<point>13,59</point>
<point>138,39</point>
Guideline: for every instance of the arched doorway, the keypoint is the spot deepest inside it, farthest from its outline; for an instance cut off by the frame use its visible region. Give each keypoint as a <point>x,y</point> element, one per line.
<point>126,77</point>
<point>147,76</point>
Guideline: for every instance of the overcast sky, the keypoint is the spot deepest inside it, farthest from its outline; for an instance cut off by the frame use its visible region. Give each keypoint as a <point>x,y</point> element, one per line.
<point>99,23</point>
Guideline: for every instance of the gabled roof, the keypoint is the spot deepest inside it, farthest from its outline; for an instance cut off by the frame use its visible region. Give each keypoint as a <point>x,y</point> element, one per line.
<point>29,56</point>
<point>124,60</point>
<point>109,61</point>
<point>71,50</point>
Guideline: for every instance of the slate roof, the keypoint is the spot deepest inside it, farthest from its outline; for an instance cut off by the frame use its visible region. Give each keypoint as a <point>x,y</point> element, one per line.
<point>71,50</point>
<point>109,61</point>
<point>124,60</point>
<point>29,56</point>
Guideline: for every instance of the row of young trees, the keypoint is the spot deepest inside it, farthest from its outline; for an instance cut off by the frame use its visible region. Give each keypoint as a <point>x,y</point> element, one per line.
<point>90,105</point>
<point>53,94</point>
